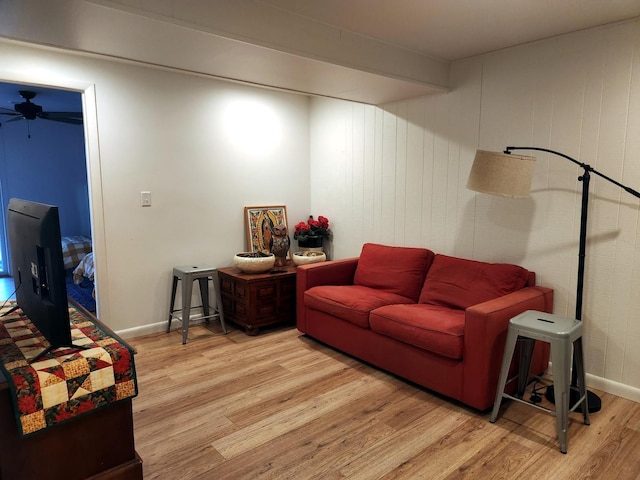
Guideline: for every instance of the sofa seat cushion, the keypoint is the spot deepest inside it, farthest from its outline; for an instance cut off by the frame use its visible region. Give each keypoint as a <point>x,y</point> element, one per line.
<point>351,303</point>
<point>461,283</point>
<point>431,327</point>
<point>399,270</point>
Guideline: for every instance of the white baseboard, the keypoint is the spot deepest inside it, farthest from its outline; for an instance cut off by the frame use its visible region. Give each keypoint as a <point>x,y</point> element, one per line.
<point>143,330</point>
<point>153,328</point>
<point>614,388</point>
<point>609,386</point>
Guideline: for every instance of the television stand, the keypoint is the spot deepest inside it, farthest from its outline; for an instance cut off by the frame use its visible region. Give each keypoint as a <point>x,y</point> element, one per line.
<point>98,445</point>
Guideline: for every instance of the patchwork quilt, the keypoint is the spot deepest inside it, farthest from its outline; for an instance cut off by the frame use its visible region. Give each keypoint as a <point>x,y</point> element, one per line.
<point>66,382</point>
<point>74,249</point>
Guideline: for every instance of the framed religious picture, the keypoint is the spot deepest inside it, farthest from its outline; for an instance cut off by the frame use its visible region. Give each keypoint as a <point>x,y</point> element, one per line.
<point>261,223</point>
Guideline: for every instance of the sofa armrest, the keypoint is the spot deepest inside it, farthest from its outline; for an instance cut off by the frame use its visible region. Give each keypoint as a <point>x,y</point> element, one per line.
<point>485,334</point>
<point>332,272</point>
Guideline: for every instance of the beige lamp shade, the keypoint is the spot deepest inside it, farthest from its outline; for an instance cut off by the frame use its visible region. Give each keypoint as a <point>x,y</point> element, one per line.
<point>502,174</point>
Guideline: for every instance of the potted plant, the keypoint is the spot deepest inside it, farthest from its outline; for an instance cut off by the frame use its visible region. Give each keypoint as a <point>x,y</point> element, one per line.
<point>311,233</point>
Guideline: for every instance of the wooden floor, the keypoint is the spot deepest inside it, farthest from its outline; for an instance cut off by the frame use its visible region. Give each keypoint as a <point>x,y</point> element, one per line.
<point>282,406</point>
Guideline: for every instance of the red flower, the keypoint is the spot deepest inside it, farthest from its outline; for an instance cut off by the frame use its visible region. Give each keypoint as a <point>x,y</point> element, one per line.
<point>324,222</point>
<point>122,363</point>
<point>19,380</point>
<point>62,414</point>
<point>85,406</point>
<point>312,228</point>
<point>301,227</point>
<point>28,404</point>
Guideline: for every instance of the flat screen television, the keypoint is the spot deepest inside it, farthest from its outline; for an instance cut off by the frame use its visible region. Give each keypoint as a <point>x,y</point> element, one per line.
<point>37,266</point>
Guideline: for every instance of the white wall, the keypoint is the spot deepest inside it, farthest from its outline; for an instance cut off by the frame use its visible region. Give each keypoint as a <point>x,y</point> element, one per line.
<point>397,175</point>
<point>168,132</point>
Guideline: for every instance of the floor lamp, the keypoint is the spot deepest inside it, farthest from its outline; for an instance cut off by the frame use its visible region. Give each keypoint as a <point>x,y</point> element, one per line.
<point>510,175</point>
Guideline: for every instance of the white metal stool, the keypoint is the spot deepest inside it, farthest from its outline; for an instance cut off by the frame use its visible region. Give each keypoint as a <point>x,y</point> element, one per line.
<point>561,333</point>
<point>188,274</point>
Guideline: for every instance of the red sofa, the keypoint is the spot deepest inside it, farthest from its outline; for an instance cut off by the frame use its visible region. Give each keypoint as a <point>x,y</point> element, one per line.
<point>435,320</point>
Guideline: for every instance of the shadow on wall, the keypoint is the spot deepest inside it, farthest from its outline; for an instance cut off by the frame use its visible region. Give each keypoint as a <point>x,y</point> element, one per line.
<point>512,219</point>
<point>507,225</point>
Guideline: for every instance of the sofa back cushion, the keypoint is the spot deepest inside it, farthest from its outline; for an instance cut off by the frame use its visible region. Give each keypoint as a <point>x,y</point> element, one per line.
<point>460,283</point>
<point>399,270</point>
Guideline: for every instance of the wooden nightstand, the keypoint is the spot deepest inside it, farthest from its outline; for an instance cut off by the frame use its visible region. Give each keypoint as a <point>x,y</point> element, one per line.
<point>255,300</point>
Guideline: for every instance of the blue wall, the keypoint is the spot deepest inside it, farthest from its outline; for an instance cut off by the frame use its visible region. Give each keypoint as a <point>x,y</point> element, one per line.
<point>50,167</point>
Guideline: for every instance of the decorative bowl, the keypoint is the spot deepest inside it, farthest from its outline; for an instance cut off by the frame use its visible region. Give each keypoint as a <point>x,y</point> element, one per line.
<point>254,262</point>
<point>304,258</point>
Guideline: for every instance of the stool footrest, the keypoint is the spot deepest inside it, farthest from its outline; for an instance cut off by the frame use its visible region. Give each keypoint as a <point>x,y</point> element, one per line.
<point>191,319</point>
<point>577,404</point>
<point>539,407</point>
<point>531,404</point>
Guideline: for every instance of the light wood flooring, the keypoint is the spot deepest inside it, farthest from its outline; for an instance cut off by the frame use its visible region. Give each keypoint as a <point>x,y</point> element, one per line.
<point>282,406</point>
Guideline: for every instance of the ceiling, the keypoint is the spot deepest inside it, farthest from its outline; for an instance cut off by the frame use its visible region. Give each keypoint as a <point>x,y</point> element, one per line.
<point>370,51</point>
<point>455,29</point>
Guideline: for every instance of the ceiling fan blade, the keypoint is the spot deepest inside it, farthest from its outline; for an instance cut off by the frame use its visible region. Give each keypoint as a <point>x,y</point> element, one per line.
<point>73,121</point>
<point>6,111</point>
<point>74,118</point>
<point>15,119</point>
<point>77,115</point>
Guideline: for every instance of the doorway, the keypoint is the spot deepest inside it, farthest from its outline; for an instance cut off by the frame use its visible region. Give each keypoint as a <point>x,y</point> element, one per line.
<point>42,159</point>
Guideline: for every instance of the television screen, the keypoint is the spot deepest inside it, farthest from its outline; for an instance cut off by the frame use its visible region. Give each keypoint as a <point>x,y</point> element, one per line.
<point>37,266</point>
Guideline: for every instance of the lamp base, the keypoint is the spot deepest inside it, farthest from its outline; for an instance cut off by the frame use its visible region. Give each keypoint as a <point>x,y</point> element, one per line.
<point>594,403</point>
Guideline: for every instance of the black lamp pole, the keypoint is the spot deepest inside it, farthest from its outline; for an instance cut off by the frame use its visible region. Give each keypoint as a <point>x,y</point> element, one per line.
<point>593,400</point>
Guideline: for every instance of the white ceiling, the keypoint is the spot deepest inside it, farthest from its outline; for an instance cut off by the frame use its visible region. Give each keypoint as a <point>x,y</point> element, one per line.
<point>371,51</point>
<point>456,29</point>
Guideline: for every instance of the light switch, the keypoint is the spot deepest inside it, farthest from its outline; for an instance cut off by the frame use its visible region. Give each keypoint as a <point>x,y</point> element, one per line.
<point>145,199</point>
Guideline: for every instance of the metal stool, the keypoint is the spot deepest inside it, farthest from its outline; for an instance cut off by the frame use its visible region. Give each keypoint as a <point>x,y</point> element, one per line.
<point>561,333</point>
<point>188,274</point>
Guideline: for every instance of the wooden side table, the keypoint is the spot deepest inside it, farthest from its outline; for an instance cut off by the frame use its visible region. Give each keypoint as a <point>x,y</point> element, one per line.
<point>255,300</point>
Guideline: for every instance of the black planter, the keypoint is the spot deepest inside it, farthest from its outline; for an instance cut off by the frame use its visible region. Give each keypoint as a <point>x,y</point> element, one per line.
<point>311,242</point>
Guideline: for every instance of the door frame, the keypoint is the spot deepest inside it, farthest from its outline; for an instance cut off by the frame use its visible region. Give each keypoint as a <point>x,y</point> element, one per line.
<point>94,172</point>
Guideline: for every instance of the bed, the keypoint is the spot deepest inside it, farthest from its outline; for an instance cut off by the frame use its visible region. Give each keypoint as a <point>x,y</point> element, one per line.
<point>74,248</point>
<point>85,269</point>
<point>80,268</point>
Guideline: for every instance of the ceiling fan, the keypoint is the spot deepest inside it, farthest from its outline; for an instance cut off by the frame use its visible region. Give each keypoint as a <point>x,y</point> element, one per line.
<point>28,110</point>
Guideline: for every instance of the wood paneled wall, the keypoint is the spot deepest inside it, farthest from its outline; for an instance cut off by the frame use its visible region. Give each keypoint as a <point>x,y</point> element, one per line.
<point>396,174</point>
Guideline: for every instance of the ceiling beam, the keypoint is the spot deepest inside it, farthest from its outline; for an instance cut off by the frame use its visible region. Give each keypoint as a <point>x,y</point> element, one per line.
<point>240,40</point>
